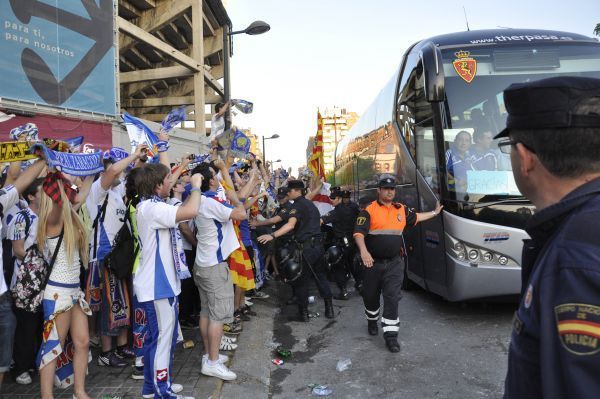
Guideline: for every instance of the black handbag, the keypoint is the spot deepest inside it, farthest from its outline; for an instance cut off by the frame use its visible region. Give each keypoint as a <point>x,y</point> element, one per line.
<point>32,278</point>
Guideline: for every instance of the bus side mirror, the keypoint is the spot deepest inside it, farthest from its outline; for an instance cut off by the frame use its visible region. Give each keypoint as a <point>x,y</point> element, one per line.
<point>433,68</point>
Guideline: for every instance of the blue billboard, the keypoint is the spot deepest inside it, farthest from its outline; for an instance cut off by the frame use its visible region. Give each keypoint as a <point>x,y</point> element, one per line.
<point>59,53</point>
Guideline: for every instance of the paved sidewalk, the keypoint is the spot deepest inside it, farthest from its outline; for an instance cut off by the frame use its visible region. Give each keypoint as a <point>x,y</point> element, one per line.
<point>112,381</point>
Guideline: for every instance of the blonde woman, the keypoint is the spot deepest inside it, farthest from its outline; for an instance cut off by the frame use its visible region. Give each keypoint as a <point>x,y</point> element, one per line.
<point>61,235</point>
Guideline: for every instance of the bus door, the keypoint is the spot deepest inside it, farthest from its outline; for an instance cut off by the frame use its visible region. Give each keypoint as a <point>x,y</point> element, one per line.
<point>429,236</point>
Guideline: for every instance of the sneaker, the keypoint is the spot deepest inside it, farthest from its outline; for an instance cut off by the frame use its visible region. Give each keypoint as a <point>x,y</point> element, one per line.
<point>24,379</point>
<point>227,346</point>
<point>222,358</point>
<point>111,359</point>
<point>125,352</point>
<point>259,295</point>
<point>175,388</point>
<point>247,311</point>
<point>240,315</point>
<point>231,340</point>
<point>248,302</point>
<point>137,373</point>
<point>218,370</point>
<point>232,328</point>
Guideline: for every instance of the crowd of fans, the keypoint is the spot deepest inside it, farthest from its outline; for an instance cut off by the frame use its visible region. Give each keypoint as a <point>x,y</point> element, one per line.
<point>125,259</point>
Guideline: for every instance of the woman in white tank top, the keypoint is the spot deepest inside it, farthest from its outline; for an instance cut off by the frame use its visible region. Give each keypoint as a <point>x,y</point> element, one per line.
<point>65,308</point>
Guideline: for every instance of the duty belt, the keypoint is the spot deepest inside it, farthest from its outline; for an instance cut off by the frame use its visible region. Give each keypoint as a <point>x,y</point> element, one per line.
<point>311,242</point>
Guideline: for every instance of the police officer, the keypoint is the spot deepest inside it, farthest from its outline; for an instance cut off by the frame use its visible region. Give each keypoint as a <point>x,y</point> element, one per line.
<point>553,137</point>
<point>279,219</point>
<point>304,221</point>
<point>378,235</point>
<point>342,218</point>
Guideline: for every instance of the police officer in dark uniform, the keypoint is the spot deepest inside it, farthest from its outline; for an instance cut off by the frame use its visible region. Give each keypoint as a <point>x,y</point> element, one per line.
<point>553,137</point>
<point>279,219</point>
<point>378,235</point>
<point>304,221</point>
<point>342,219</point>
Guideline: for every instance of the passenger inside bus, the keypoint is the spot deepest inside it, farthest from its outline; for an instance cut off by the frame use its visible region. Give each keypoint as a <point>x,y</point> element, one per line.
<point>482,155</point>
<point>458,161</point>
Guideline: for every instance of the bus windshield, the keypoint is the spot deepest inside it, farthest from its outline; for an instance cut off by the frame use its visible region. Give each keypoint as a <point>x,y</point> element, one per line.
<point>475,112</point>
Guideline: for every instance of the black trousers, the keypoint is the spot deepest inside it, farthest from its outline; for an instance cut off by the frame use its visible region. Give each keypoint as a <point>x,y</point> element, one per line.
<point>189,299</point>
<point>384,277</point>
<point>28,338</point>
<point>313,257</point>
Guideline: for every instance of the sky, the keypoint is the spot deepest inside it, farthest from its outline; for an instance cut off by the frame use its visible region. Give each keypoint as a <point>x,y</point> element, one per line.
<point>322,53</point>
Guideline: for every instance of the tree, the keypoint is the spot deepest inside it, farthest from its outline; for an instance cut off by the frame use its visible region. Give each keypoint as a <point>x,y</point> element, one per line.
<point>597,30</point>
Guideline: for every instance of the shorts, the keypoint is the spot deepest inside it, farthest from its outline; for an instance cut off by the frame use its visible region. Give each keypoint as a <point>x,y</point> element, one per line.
<point>216,292</point>
<point>8,323</point>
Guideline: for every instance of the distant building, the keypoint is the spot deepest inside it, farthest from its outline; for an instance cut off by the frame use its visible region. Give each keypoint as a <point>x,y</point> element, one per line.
<point>336,124</point>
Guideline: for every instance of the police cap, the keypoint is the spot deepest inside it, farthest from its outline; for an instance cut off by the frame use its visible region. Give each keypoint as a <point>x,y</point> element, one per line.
<point>550,103</point>
<point>295,184</point>
<point>387,182</point>
<point>282,192</point>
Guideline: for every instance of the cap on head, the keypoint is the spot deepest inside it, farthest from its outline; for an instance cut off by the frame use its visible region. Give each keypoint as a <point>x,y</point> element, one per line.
<point>550,103</point>
<point>282,192</point>
<point>295,184</point>
<point>387,182</point>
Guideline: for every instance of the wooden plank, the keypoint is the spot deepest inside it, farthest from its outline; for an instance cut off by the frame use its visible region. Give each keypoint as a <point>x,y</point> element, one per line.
<point>178,56</point>
<point>177,71</point>
<point>198,54</point>
<point>213,44</point>
<point>157,102</point>
<point>155,18</point>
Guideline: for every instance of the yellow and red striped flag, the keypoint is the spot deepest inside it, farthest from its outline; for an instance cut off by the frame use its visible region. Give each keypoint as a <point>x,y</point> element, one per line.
<point>316,163</point>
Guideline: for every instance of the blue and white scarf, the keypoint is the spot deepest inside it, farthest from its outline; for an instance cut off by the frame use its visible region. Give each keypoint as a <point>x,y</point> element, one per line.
<point>177,115</point>
<point>30,131</point>
<point>72,164</point>
<point>177,250</point>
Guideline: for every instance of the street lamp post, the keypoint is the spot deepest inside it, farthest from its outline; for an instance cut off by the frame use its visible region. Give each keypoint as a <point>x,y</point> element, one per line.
<point>275,136</point>
<point>255,28</point>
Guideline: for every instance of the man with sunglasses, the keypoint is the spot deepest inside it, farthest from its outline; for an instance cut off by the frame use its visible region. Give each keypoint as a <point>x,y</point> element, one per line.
<point>378,236</point>
<point>553,131</point>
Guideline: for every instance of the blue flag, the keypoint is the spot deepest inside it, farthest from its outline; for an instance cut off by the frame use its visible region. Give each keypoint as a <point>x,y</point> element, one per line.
<point>240,144</point>
<point>139,133</point>
<point>245,106</point>
<point>75,143</point>
<point>177,115</point>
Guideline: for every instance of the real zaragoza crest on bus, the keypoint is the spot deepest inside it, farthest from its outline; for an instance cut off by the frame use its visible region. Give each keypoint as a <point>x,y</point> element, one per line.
<point>465,66</point>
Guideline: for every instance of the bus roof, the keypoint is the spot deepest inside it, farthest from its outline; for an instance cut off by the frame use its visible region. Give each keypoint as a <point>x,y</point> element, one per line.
<point>503,36</point>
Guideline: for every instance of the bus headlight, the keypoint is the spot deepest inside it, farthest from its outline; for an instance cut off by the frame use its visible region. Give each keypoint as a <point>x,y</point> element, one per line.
<point>473,254</point>
<point>476,255</point>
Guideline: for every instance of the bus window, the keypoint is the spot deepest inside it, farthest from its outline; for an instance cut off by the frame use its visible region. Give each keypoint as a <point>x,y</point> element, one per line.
<point>424,147</point>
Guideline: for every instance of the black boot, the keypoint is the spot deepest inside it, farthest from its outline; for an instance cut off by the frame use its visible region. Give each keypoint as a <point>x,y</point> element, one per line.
<point>392,343</point>
<point>343,295</point>
<point>292,301</point>
<point>303,313</point>
<point>329,309</point>
<point>372,327</point>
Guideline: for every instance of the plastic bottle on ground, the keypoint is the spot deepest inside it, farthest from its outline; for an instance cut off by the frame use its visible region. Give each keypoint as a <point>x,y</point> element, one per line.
<point>321,390</point>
